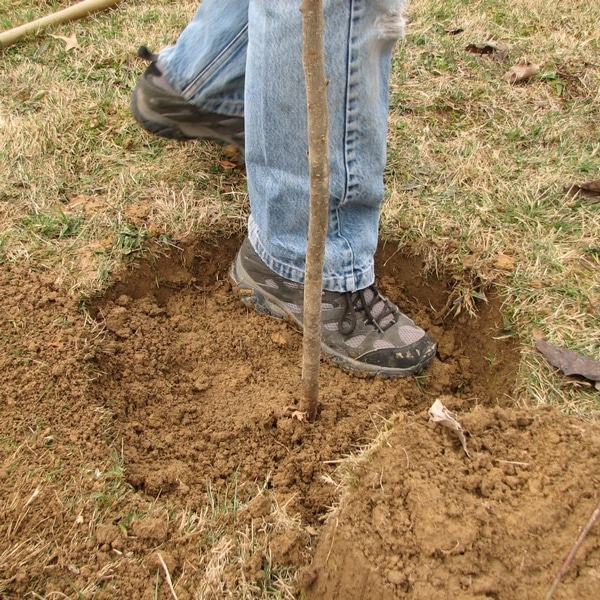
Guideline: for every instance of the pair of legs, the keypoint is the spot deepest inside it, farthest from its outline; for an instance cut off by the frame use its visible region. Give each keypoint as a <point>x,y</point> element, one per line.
<point>237,69</point>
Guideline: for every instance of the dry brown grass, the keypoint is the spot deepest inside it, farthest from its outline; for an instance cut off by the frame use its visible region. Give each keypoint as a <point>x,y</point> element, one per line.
<point>72,152</point>
<point>477,170</point>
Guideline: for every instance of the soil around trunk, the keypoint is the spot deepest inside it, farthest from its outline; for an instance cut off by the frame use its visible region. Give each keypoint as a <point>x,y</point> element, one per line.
<point>170,387</point>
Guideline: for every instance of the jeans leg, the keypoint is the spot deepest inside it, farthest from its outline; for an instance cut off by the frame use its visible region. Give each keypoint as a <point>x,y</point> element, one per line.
<point>359,38</point>
<point>207,65</point>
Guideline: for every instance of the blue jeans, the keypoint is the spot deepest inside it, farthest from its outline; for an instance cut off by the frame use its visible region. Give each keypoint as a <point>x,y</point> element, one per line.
<point>244,57</point>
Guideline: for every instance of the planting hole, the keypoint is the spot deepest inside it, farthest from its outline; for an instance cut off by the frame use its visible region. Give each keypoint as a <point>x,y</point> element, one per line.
<point>203,389</point>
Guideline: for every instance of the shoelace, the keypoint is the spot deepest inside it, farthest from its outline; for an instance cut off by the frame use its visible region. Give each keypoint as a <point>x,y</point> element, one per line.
<point>357,302</point>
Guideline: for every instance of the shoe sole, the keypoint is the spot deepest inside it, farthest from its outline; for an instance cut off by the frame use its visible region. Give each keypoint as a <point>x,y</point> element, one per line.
<point>264,303</point>
<point>161,125</point>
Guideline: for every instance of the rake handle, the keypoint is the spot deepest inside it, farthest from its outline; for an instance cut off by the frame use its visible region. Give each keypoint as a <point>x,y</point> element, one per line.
<point>71,13</point>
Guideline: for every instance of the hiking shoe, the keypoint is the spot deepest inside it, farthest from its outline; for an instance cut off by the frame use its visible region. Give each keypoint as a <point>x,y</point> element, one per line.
<point>161,110</point>
<point>363,332</point>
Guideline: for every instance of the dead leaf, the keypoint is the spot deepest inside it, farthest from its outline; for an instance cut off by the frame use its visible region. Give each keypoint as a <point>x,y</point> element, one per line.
<point>300,415</point>
<point>589,188</point>
<point>228,164</point>
<point>521,71</point>
<point>486,48</point>
<point>569,361</point>
<point>497,49</point>
<point>438,413</point>
<point>70,41</point>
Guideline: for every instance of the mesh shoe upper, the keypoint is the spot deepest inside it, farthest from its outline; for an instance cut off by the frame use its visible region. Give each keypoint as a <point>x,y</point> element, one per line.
<point>362,331</point>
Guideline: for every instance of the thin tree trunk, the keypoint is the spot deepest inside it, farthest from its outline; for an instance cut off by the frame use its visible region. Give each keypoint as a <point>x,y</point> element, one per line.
<point>313,59</point>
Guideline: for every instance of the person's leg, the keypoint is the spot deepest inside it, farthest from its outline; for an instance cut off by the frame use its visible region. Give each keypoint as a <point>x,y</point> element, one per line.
<point>207,65</point>
<point>362,331</point>
<point>359,37</point>
<point>195,88</point>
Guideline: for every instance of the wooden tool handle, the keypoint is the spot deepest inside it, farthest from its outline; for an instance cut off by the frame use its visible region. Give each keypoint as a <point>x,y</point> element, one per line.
<point>77,11</point>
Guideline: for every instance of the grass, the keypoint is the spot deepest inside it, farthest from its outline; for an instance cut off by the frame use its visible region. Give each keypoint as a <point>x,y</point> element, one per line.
<point>478,170</point>
<point>476,181</point>
<point>225,539</point>
<point>71,150</point>
<point>477,167</point>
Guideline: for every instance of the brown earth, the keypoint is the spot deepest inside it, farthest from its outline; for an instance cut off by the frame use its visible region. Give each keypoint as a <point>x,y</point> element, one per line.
<point>118,421</point>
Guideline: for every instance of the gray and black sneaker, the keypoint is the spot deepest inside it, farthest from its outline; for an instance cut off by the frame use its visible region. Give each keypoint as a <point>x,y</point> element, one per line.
<point>161,110</point>
<point>363,332</point>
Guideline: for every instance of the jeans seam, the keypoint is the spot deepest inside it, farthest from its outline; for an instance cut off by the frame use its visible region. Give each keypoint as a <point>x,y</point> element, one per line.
<point>347,141</point>
<point>222,58</point>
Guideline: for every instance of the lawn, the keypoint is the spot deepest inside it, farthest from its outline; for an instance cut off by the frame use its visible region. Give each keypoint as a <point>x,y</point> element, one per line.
<point>114,248</point>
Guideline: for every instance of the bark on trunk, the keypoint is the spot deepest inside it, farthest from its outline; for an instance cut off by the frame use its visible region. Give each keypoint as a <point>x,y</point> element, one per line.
<point>313,59</point>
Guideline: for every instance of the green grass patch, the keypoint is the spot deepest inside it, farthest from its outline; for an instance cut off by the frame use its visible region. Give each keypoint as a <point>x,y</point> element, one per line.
<point>477,167</point>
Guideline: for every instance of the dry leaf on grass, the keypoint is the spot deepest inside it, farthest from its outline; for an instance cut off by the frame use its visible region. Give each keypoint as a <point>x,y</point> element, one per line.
<point>497,49</point>
<point>69,40</point>
<point>521,71</point>
<point>589,188</point>
<point>569,361</point>
<point>300,415</point>
<point>438,413</point>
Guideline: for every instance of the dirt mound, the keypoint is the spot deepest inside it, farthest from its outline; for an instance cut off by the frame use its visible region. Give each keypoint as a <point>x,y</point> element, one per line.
<point>162,419</point>
<point>425,522</point>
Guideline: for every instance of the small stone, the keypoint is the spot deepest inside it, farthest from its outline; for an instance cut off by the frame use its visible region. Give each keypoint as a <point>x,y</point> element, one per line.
<point>123,300</point>
<point>396,577</point>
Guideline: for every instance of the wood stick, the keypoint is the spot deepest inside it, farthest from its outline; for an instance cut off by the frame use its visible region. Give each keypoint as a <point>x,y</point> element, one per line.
<point>71,13</point>
<point>313,60</point>
<point>565,566</point>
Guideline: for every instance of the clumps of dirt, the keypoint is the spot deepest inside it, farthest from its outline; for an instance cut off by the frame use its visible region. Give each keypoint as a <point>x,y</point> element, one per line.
<point>156,434</point>
<point>204,390</point>
<point>422,521</point>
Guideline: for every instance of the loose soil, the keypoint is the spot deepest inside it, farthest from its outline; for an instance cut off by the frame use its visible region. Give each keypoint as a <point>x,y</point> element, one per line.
<point>171,388</point>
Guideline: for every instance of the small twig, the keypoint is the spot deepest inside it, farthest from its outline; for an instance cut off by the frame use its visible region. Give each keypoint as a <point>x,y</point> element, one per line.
<point>512,462</point>
<point>167,576</point>
<point>574,549</point>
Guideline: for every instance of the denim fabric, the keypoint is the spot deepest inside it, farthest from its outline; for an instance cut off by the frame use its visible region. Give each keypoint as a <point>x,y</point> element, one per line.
<point>206,64</point>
